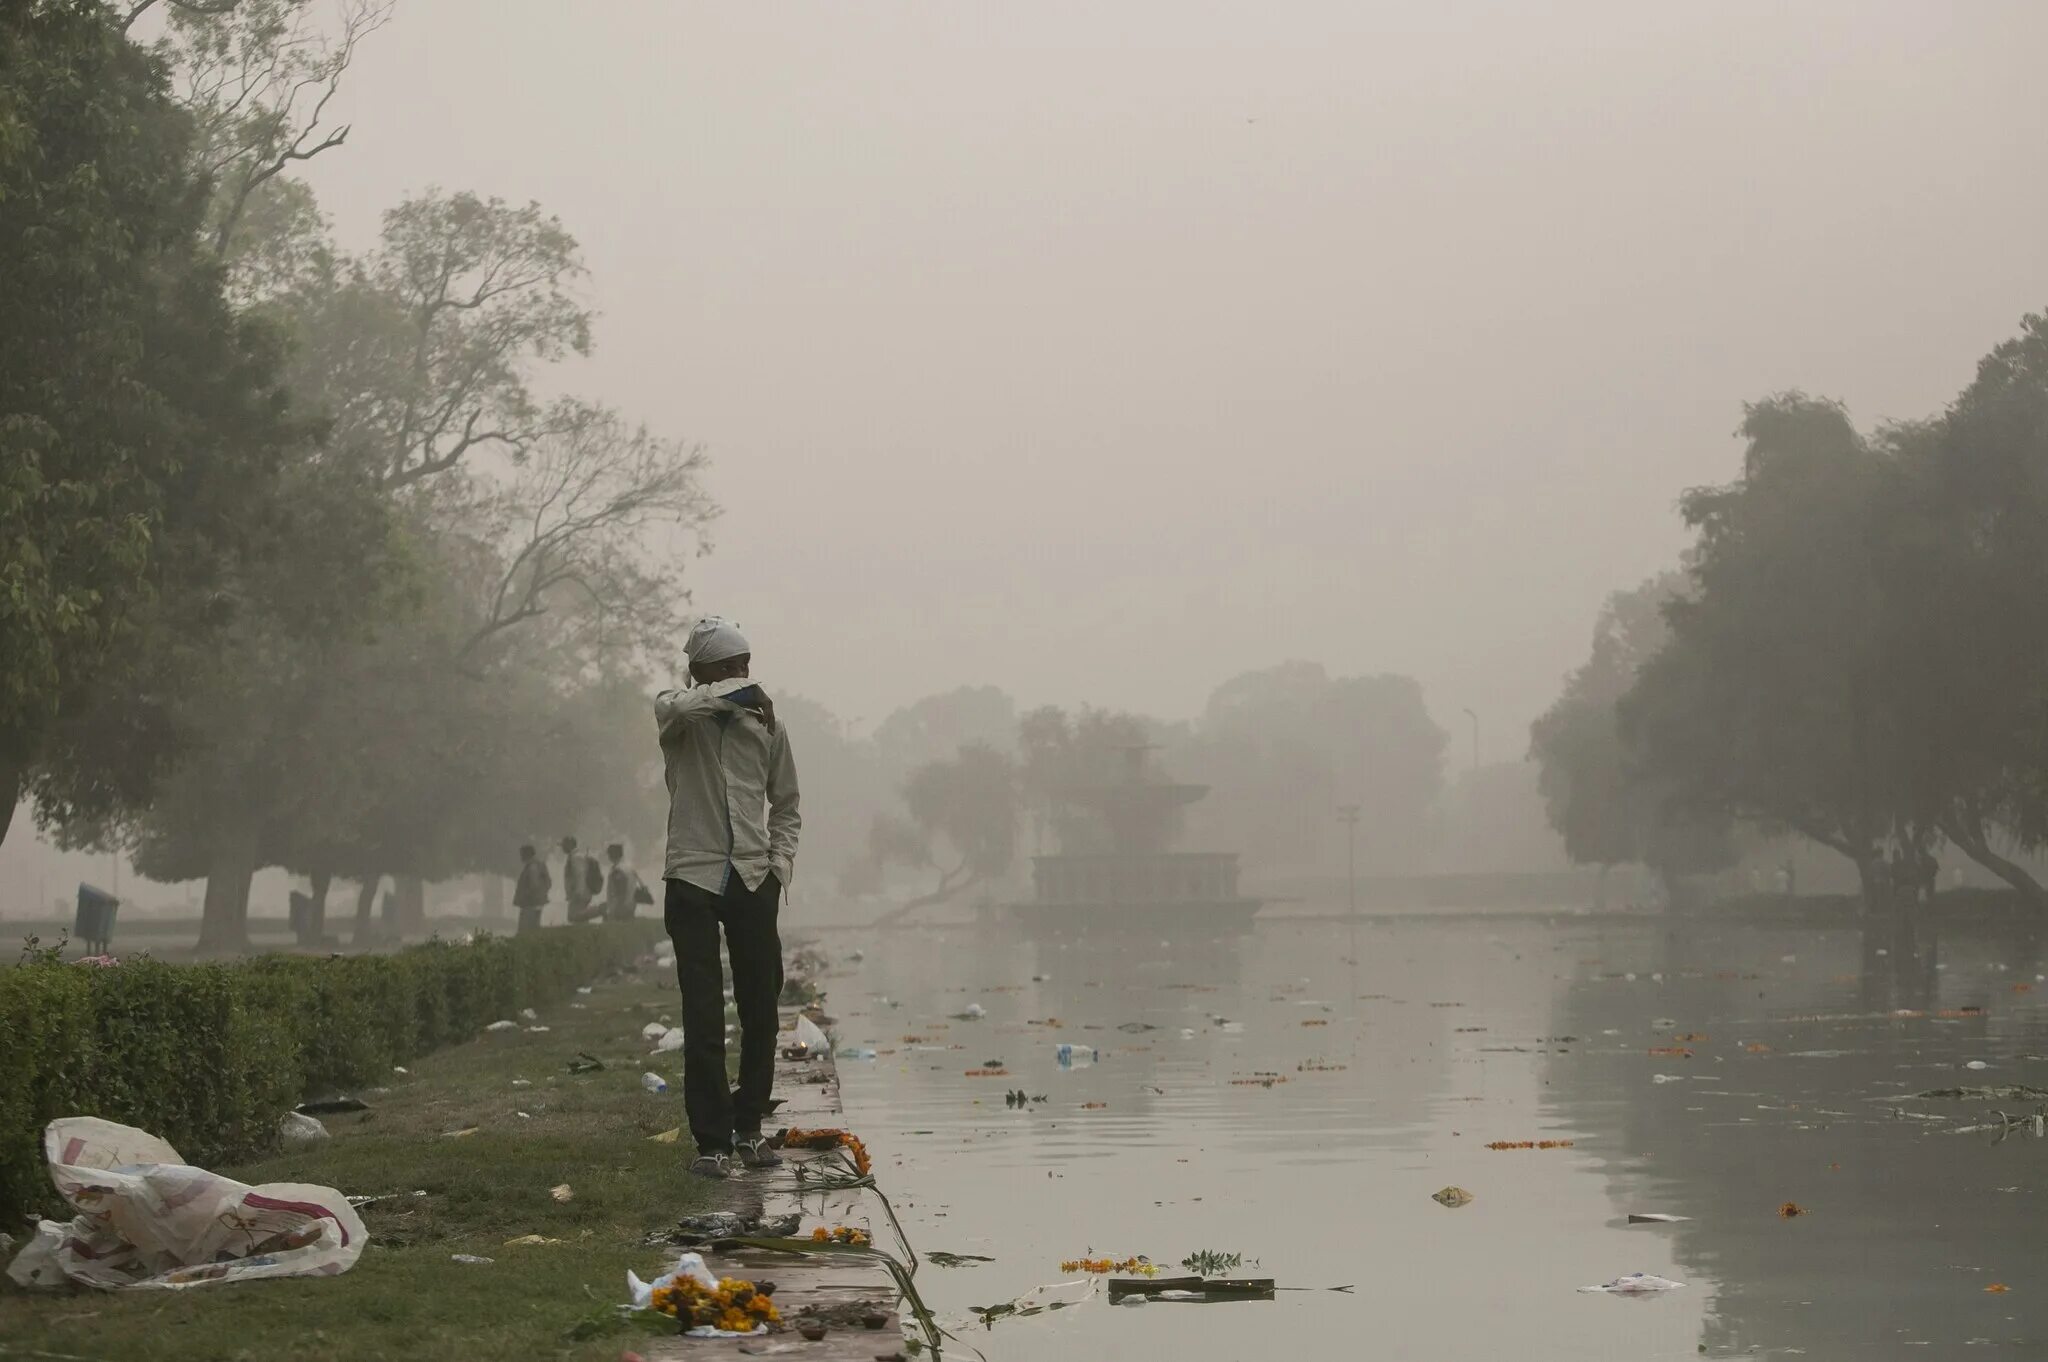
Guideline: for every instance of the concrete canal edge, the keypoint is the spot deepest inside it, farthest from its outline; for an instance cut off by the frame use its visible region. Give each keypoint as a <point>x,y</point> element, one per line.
<point>848,1292</point>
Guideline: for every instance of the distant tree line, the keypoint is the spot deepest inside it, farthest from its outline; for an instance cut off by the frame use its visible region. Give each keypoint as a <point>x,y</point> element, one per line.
<point>297,568</point>
<point>1854,651</point>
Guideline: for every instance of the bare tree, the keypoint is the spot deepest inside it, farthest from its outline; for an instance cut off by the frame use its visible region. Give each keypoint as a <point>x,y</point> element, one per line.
<point>590,518</point>
<point>258,77</point>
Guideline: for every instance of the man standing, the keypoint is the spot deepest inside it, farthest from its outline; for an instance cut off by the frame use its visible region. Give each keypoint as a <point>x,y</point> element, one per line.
<point>620,884</point>
<point>530,894</point>
<point>581,880</point>
<point>728,764</point>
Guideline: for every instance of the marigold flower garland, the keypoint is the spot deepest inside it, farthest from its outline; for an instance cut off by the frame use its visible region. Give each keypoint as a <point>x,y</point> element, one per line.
<point>734,1306</point>
<point>840,1234</point>
<point>830,1139</point>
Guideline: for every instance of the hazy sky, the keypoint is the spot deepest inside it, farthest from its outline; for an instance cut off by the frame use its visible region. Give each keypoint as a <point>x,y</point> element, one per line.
<point>1100,351</point>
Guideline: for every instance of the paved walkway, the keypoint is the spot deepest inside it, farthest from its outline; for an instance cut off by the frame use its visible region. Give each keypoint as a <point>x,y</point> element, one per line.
<point>843,1288</point>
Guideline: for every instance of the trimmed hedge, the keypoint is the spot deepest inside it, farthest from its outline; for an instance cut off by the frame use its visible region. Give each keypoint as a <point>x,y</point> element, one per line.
<point>210,1056</point>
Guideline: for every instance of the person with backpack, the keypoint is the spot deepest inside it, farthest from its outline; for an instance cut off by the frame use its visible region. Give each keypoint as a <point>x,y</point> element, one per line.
<point>582,881</point>
<point>622,888</point>
<point>530,894</point>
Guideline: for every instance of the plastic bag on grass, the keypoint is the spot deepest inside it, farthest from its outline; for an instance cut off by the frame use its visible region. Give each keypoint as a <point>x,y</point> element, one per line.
<point>641,1294</point>
<point>146,1218</point>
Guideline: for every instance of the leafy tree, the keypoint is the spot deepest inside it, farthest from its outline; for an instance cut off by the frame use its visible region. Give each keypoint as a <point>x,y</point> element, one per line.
<point>938,726</point>
<point>141,423</point>
<point>1769,703</point>
<point>962,808</point>
<point>1283,746</point>
<point>1606,809</point>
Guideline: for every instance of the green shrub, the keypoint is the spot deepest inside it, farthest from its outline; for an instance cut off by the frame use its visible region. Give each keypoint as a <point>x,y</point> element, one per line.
<point>209,1057</point>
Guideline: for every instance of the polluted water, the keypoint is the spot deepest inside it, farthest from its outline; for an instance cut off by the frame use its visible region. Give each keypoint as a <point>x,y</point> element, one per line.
<point>1627,1101</point>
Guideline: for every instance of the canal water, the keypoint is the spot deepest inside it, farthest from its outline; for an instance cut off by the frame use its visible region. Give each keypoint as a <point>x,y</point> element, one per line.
<point>1297,1093</point>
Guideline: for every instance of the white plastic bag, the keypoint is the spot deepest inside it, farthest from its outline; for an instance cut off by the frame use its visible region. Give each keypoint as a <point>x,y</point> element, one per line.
<point>148,1219</point>
<point>690,1265</point>
<point>671,1040</point>
<point>1636,1284</point>
<point>810,1039</point>
<point>653,1031</point>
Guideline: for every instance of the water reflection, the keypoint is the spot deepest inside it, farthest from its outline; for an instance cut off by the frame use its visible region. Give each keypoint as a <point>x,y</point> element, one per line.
<point>1297,1097</point>
<point>1797,1098</point>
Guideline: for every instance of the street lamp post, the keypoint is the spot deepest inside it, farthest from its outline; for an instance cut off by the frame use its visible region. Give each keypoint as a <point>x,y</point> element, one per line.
<point>1348,815</point>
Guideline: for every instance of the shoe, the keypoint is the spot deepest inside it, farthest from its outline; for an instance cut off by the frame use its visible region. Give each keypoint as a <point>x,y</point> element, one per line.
<point>756,1152</point>
<point>717,1165</point>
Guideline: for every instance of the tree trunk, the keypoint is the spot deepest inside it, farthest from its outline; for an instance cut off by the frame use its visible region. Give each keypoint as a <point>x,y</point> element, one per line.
<point>231,863</point>
<point>412,905</point>
<point>366,907</point>
<point>10,795</point>
<point>316,926</point>
<point>1968,833</point>
<point>1876,880</point>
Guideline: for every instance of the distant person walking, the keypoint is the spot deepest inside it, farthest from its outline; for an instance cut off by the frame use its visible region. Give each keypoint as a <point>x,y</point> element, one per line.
<point>622,887</point>
<point>732,832</point>
<point>582,881</point>
<point>530,894</point>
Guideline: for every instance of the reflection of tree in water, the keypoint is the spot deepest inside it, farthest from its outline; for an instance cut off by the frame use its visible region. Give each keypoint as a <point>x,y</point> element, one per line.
<point>1906,1222</point>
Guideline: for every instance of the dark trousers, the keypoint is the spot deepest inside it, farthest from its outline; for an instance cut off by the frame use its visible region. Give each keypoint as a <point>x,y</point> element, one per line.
<point>693,917</point>
<point>529,918</point>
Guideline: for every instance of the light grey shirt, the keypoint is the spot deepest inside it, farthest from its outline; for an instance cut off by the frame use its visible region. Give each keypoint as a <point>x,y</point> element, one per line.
<point>732,797</point>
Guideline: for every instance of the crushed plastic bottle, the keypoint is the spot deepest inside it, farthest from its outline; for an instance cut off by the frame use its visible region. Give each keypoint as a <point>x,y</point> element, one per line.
<point>653,1082</point>
<point>1075,1056</point>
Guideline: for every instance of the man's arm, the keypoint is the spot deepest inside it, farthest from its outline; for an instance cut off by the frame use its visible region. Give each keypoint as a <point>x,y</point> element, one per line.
<point>681,706</point>
<point>783,819</point>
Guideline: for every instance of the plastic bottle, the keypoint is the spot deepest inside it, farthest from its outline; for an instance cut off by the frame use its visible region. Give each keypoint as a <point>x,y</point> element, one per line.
<point>1075,1056</point>
<point>653,1082</point>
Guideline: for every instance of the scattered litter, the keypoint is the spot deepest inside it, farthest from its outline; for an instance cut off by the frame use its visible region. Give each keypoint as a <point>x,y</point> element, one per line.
<point>1040,1299</point>
<point>654,1030</point>
<point>148,1219</point>
<point>328,1106</point>
<point>1194,1288</point>
<point>670,1041</point>
<point>1667,1078</point>
<point>1139,1264</point>
<point>1792,1209</point>
<point>2003,1092</point>
<point>704,1305</point>
<point>1075,1056</point>
<point>810,1042</point>
<point>536,1030</point>
<point>1654,1218</point>
<point>522,1082</point>
<point>1670,1052</point>
<point>528,1014</point>
<point>1453,1197</point>
<point>585,1063</point>
<point>653,1082</point>
<point>940,1258</point>
<point>585,990</point>
<point>459,1134</point>
<point>501,1026</point>
<point>526,1240</point>
<point>400,1069</point>
<point>562,1194</point>
<point>297,1128</point>
<point>469,1258</point>
<point>988,1073</point>
<point>974,1012</point>
<point>1530,1144</point>
<point>1998,1288</point>
<point>856,1052</point>
<point>1976,1064</point>
<point>666,1136</point>
<point>1635,1284</point>
<point>1136,1028</point>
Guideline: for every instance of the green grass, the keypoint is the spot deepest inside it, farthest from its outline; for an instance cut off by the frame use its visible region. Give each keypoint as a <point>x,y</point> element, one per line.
<point>405,1297</point>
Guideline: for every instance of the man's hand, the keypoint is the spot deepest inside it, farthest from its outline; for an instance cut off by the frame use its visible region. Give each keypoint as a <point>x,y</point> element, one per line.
<point>755,701</point>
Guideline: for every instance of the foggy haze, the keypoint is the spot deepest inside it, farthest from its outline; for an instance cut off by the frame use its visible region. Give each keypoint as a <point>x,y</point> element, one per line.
<point>1100,353</point>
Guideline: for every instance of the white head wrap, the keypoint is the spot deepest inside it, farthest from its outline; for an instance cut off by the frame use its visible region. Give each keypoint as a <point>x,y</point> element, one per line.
<point>714,639</point>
